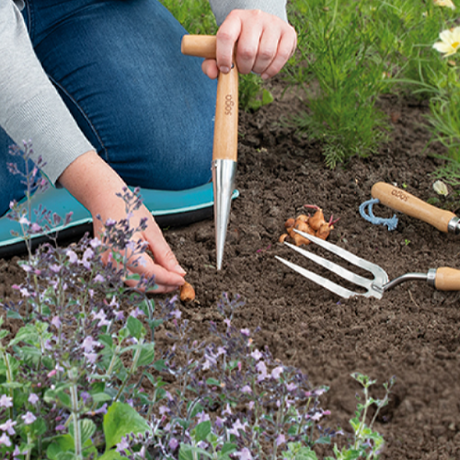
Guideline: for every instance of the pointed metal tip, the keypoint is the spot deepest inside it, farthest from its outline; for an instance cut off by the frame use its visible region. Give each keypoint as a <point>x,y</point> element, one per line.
<point>223,177</point>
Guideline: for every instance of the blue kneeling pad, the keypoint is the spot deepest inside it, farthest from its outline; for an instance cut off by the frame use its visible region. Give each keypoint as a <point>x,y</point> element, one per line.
<point>170,208</point>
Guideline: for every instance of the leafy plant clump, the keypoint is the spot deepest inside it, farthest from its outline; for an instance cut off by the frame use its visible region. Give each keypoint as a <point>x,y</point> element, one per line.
<point>83,378</point>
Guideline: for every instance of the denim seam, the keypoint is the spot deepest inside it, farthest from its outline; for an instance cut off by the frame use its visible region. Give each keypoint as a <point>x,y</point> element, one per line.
<point>80,109</point>
<point>30,19</point>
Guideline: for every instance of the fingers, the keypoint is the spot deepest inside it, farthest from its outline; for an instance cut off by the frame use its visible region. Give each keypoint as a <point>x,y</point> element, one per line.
<point>165,280</point>
<point>263,43</point>
<point>209,67</point>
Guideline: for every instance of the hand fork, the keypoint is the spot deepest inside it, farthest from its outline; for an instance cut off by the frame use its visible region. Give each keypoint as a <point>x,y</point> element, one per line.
<point>443,278</point>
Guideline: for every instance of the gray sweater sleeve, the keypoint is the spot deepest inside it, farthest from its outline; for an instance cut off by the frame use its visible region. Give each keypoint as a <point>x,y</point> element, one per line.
<point>221,8</point>
<point>30,106</point>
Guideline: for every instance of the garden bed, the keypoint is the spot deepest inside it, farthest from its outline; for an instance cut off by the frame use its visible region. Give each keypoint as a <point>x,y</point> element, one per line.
<point>412,333</point>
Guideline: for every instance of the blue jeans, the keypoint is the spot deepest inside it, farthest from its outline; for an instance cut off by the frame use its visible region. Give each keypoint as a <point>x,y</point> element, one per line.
<point>147,109</point>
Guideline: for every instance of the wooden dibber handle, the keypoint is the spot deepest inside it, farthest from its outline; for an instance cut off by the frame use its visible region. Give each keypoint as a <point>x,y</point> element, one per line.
<point>447,279</point>
<point>226,122</point>
<point>400,200</point>
<point>199,45</point>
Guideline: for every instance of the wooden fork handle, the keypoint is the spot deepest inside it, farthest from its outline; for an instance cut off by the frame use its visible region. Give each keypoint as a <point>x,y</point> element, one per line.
<point>447,279</point>
<point>400,200</point>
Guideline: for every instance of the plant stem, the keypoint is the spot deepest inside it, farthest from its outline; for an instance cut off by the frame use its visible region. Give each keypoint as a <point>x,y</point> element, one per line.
<point>75,416</point>
<point>9,378</point>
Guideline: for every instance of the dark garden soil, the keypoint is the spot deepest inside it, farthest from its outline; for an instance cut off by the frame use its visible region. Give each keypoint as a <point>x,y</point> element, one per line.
<point>412,333</point>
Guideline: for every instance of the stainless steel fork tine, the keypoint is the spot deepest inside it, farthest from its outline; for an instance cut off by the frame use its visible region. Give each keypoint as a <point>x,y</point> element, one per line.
<point>318,279</point>
<point>374,287</point>
<point>380,276</point>
<point>335,268</point>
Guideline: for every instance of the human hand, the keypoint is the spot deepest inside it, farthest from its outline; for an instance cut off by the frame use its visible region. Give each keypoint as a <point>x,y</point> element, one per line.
<point>96,185</point>
<point>261,42</point>
<point>165,269</point>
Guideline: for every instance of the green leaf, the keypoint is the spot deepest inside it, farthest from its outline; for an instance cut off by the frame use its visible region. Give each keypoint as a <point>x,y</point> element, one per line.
<point>188,452</point>
<point>27,334</point>
<point>64,398</point>
<point>13,315</point>
<point>267,97</point>
<point>213,382</point>
<point>228,448</point>
<point>87,429</point>
<point>201,431</point>
<point>3,334</point>
<point>160,365</point>
<point>135,327</point>
<point>147,354</point>
<point>12,385</point>
<point>63,443</point>
<point>110,455</point>
<point>101,397</point>
<point>120,420</point>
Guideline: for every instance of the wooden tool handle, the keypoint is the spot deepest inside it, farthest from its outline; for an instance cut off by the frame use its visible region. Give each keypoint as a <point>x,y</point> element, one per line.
<point>226,123</point>
<point>447,279</point>
<point>199,45</point>
<point>400,200</point>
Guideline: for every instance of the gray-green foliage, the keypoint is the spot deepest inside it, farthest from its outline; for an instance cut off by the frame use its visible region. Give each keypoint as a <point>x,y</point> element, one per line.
<point>338,56</point>
<point>352,52</point>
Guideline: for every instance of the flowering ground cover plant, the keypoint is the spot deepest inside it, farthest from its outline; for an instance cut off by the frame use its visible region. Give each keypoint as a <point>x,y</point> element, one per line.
<point>72,377</point>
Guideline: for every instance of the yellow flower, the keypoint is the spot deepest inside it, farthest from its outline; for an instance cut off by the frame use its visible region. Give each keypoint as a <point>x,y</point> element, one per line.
<point>447,3</point>
<point>450,41</point>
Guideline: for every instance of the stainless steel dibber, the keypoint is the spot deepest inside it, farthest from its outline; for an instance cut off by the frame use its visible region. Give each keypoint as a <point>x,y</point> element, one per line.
<point>225,147</point>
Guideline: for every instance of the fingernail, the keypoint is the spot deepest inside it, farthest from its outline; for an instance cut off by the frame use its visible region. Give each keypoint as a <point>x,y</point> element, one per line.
<point>264,76</point>
<point>224,69</point>
<point>180,270</point>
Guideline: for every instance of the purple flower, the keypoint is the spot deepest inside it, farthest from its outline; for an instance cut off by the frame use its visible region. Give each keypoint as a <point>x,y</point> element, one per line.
<point>89,343</point>
<point>246,389</point>
<point>203,417</point>
<point>164,410</point>
<point>227,410</point>
<point>281,439</point>
<point>56,322</point>
<point>276,373</point>
<point>24,221</point>
<point>28,418</point>
<point>5,440</point>
<point>60,427</point>
<point>35,228</point>
<point>123,445</point>
<point>99,278</point>
<point>95,242</point>
<point>256,354</point>
<point>101,410</point>
<point>236,427</point>
<point>246,332</point>
<point>316,416</point>
<point>244,454</point>
<point>6,401</point>
<point>173,444</point>
<point>73,258</point>
<point>102,317</point>
<point>262,369</point>
<point>33,398</point>
<point>8,427</point>
<point>291,386</point>
<point>136,312</point>
<point>55,268</point>
<point>90,357</point>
